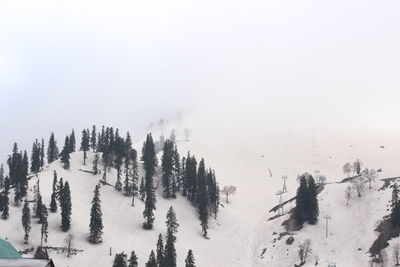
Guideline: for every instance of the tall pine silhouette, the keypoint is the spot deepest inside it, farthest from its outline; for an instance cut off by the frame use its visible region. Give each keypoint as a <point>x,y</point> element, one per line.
<point>96,218</point>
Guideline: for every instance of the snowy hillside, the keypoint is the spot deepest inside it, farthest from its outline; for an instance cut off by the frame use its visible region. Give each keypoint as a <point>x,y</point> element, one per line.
<point>242,235</point>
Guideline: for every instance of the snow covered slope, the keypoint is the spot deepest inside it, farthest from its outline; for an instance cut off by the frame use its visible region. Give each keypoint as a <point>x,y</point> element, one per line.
<point>242,231</point>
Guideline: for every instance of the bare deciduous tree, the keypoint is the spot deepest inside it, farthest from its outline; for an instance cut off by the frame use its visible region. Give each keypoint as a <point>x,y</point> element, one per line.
<point>68,243</point>
<point>348,193</point>
<point>359,185</point>
<point>370,175</point>
<point>357,165</point>
<point>304,250</point>
<point>228,190</point>
<point>347,168</point>
<point>396,254</point>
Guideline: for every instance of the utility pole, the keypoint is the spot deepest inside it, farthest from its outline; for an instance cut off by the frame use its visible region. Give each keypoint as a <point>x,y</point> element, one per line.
<point>280,209</point>
<point>284,190</point>
<point>327,217</point>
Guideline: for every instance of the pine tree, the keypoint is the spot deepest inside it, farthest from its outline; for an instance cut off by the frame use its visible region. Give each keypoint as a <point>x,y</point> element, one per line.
<point>35,157</point>
<point>45,225</point>
<point>26,221</point>
<point>189,262</point>
<point>312,201</point>
<point>5,199</point>
<point>152,260</point>
<point>142,190</point>
<point>150,204</point>
<point>120,260</point>
<point>300,209</point>
<point>39,209</point>
<point>172,229</point>
<point>128,173</point>
<point>177,172</point>
<point>149,157</point>
<point>93,143</point>
<point>53,203</point>
<point>52,149</point>
<point>24,176</point>
<point>59,189</point>
<point>203,197</point>
<point>95,162</point>
<point>1,176</point>
<point>160,251</point>
<point>42,155</point>
<point>214,194</point>
<point>191,178</point>
<point>72,142</point>
<point>64,155</point>
<point>167,165</point>
<point>395,214</point>
<point>66,206</point>
<point>85,145</point>
<point>133,260</point>
<point>96,218</point>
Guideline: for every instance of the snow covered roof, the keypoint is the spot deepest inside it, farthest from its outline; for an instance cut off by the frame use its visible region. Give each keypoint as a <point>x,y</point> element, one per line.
<point>25,263</point>
<point>7,251</point>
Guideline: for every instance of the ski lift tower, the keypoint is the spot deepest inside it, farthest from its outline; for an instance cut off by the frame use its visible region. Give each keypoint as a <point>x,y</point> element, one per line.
<point>326,217</point>
<point>284,189</point>
<point>280,209</point>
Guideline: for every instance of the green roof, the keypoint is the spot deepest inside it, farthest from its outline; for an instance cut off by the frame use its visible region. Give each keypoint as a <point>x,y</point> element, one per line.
<point>7,251</point>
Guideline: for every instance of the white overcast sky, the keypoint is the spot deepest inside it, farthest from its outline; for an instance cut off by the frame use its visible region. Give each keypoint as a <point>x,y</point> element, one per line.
<point>70,64</point>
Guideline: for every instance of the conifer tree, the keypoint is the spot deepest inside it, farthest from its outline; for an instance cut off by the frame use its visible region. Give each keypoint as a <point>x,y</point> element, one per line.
<point>64,155</point>
<point>5,199</point>
<point>189,262</point>
<point>191,176</point>
<point>395,214</point>
<point>72,142</point>
<point>96,218</point>
<point>150,204</point>
<point>142,190</point>
<point>152,260</point>
<point>95,162</point>
<point>203,197</point>
<point>35,157</point>
<point>42,155</point>
<point>59,189</point>
<point>312,201</point>
<point>45,225</point>
<point>172,229</point>
<point>177,176</point>
<point>93,143</point>
<point>53,202</point>
<point>167,165</point>
<point>133,260</point>
<point>85,145</point>
<point>1,176</point>
<point>24,176</point>
<point>52,149</point>
<point>299,210</point>
<point>149,157</point>
<point>26,221</point>
<point>160,251</point>
<point>66,206</point>
<point>214,193</point>
<point>128,174</point>
<point>120,260</point>
<point>39,209</point>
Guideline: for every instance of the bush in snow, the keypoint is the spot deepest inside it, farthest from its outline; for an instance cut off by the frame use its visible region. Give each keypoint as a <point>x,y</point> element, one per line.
<point>304,251</point>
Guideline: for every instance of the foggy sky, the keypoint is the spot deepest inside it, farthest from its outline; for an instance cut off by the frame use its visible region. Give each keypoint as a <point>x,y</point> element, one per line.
<point>72,64</point>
